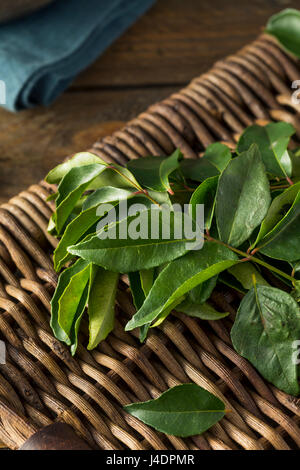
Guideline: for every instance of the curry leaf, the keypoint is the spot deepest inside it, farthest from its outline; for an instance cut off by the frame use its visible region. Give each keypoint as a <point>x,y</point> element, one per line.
<point>203,311</point>
<point>153,172</point>
<point>278,210</point>
<point>228,280</point>
<point>147,279</point>
<point>144,331</point>
<point>137,291</point>
<point>272,141</point>
<point>194,299</point>
<point>73,300</point>
<point>86,219</point>
<point>184,410</point>
<point>295,293</point>
<point>106,194</point>
<point>116,176</point>
<point>296,266</point>
<point>74,231</point>
<point>140,285</point>
<point>166,312</point>
<point>115,250</point>
<point>205,194</point>
<point>266,326</point>
<point>244,273</point>
<point>138,296</point>
<point>101,306</point>
<point>51,225</point>
<point>79,159</point>
<point>213,162</point>
<point>243,197</point>
<point>71,188</point>
<point>78,316</point>
<point>283,241</point>
<point>295,157</point>
<point>285,26</point>
<point>202,292</point>
<point>179,277</point>
<point>63,281</point>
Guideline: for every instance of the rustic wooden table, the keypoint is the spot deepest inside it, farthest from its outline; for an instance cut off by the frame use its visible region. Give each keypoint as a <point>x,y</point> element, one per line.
<point>175,41</point>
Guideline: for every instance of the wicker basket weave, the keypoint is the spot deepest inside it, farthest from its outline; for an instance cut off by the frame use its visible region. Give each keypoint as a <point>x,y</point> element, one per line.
<point>41,383</point>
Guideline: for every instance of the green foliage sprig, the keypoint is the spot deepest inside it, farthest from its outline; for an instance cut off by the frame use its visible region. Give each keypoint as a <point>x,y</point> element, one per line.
<point>252,208</point>
<point>285,26</point>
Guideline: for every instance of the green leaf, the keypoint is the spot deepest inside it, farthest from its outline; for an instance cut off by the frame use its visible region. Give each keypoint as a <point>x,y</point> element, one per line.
<point>272,141</point>
<point>160,197</point>
<point>203,291</point>
<point>279,134</point>
<point>266,326</point>
<point>116,176</point>
<point>166,312</point>
<point>125,254</point>
<point>219,155</point>
<point>243,197</point>
<point>73,232</point>
<point>283,241</point>
<point>147,279</point>
<point>77,319</point>
<point>140,285</point>
<point>144,331</point>
<point>194,299</point>
<point>228,280</point>
<point>86,219</point>
<point>80,159</point>
<point>137,291</point>
<point>285,26</point>
<point>107,194</point>
<point>101,305</point>
<point>71,188</point>
<point>179,277</point>
<point>295,157</point>
<point>278,210</point>
<point>244,273</point>
<point>52,197</point>
<point>63,281</point>
<point>296,291</point>
<point>296,266</point>
<point>184,410</point>
<point>153,172</point>
<point>205,194</point>
<point>203,311</point>
<point>51,225</point>
<point>214,161</point>
<point>73,300</point>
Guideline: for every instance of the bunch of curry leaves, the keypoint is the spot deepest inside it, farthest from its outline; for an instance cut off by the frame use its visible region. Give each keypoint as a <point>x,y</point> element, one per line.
<point>252,234</point>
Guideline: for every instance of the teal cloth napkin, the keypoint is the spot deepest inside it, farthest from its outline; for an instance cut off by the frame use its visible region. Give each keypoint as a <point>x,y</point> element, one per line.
<point>41,54</point>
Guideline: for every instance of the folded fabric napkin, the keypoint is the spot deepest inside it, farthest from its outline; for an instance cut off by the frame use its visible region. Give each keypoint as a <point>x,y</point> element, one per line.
<point>41,54</point>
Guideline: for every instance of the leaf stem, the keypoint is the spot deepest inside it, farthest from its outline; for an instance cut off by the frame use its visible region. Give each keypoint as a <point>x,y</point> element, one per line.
<point>283,186</point>
<point>246,257</point>
<point>140,190</point>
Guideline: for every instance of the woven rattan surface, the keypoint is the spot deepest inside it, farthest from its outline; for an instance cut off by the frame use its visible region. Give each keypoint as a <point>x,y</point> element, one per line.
<point>41,382</point>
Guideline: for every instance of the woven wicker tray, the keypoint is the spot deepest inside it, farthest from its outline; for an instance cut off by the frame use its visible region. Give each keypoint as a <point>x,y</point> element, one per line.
<point>41,383</point>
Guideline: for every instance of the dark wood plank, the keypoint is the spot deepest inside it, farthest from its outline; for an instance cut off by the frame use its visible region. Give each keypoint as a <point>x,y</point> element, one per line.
<point>172,43</point>
<point>32,142</point>
<point>177,40</point>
